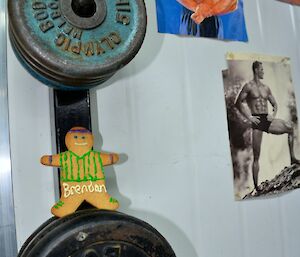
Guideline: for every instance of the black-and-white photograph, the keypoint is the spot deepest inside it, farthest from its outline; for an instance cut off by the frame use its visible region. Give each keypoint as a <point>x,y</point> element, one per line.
<point>262,124</point>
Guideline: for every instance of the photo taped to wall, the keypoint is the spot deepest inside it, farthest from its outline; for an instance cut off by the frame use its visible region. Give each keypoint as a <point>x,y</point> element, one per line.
<point>262,124</point>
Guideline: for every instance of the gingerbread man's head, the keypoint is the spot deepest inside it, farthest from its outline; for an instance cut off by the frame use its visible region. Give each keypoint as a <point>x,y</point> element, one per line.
<point>79,140</point>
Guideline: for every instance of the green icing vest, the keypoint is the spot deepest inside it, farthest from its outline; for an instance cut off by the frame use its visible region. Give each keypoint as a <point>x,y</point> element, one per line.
<point>83,168</point>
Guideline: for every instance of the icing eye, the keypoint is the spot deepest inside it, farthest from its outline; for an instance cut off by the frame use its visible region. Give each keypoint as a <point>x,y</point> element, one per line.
<point>83,137</point>
<point>75,137</point>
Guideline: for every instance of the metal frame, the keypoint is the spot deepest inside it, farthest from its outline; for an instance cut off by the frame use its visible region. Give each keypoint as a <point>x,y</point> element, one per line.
<point>8,242</point>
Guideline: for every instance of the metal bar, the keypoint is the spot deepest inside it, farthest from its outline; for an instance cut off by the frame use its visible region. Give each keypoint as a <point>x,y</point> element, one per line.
<point>71,109</point>
<point>8,241</point>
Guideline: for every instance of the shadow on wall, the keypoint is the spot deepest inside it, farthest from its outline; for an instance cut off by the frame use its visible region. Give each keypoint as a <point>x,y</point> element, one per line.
<point>148,52</point>
<point>176,237</point>
<point>150,49</point>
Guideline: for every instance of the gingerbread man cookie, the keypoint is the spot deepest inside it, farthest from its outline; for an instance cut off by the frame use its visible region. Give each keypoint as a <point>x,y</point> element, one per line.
<point>81,174</point>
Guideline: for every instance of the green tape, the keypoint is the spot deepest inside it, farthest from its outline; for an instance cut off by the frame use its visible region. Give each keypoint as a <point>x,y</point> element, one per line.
<point>71,163</point>
<point>95,166</point>
<point>78,168</point>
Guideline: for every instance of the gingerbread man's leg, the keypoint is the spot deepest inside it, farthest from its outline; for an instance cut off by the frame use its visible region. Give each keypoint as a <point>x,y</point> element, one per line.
<point>102,201</point>
<point>66,206</point>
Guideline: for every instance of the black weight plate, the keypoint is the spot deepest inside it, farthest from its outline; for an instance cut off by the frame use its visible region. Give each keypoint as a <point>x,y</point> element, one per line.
<point>97,233</point>
<point>74,44</point>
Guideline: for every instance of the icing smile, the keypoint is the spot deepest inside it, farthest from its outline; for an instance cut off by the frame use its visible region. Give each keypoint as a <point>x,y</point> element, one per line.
<point>80,143</point>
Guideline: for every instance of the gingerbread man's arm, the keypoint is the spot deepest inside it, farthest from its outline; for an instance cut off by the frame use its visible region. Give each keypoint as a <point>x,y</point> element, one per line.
<point>51,160</point>
<point>109,158</point>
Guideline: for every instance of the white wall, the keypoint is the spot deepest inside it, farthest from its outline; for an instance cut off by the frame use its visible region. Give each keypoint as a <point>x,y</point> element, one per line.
<point>166,112</point>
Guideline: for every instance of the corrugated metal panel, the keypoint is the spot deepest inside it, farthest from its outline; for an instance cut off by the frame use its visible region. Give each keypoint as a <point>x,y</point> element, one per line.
<point>8,246</point>
<point>166,112</point>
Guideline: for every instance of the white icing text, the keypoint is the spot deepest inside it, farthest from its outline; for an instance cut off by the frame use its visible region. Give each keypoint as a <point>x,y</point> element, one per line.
<point>81,189</point>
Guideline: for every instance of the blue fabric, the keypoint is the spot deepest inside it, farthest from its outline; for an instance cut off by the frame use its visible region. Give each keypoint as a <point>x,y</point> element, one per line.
<point>173,18</point>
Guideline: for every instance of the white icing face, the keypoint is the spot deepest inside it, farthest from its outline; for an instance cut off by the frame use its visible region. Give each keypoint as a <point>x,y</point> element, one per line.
<point>79,140</point>
<point>81,143</point>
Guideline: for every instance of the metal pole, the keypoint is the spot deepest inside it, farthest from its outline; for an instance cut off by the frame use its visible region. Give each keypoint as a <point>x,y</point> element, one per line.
<point>71,109</point>
<point>8,242</point>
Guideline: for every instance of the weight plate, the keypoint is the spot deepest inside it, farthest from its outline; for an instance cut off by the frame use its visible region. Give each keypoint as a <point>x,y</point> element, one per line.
<point>94,233</point>
<point>76,44</point>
